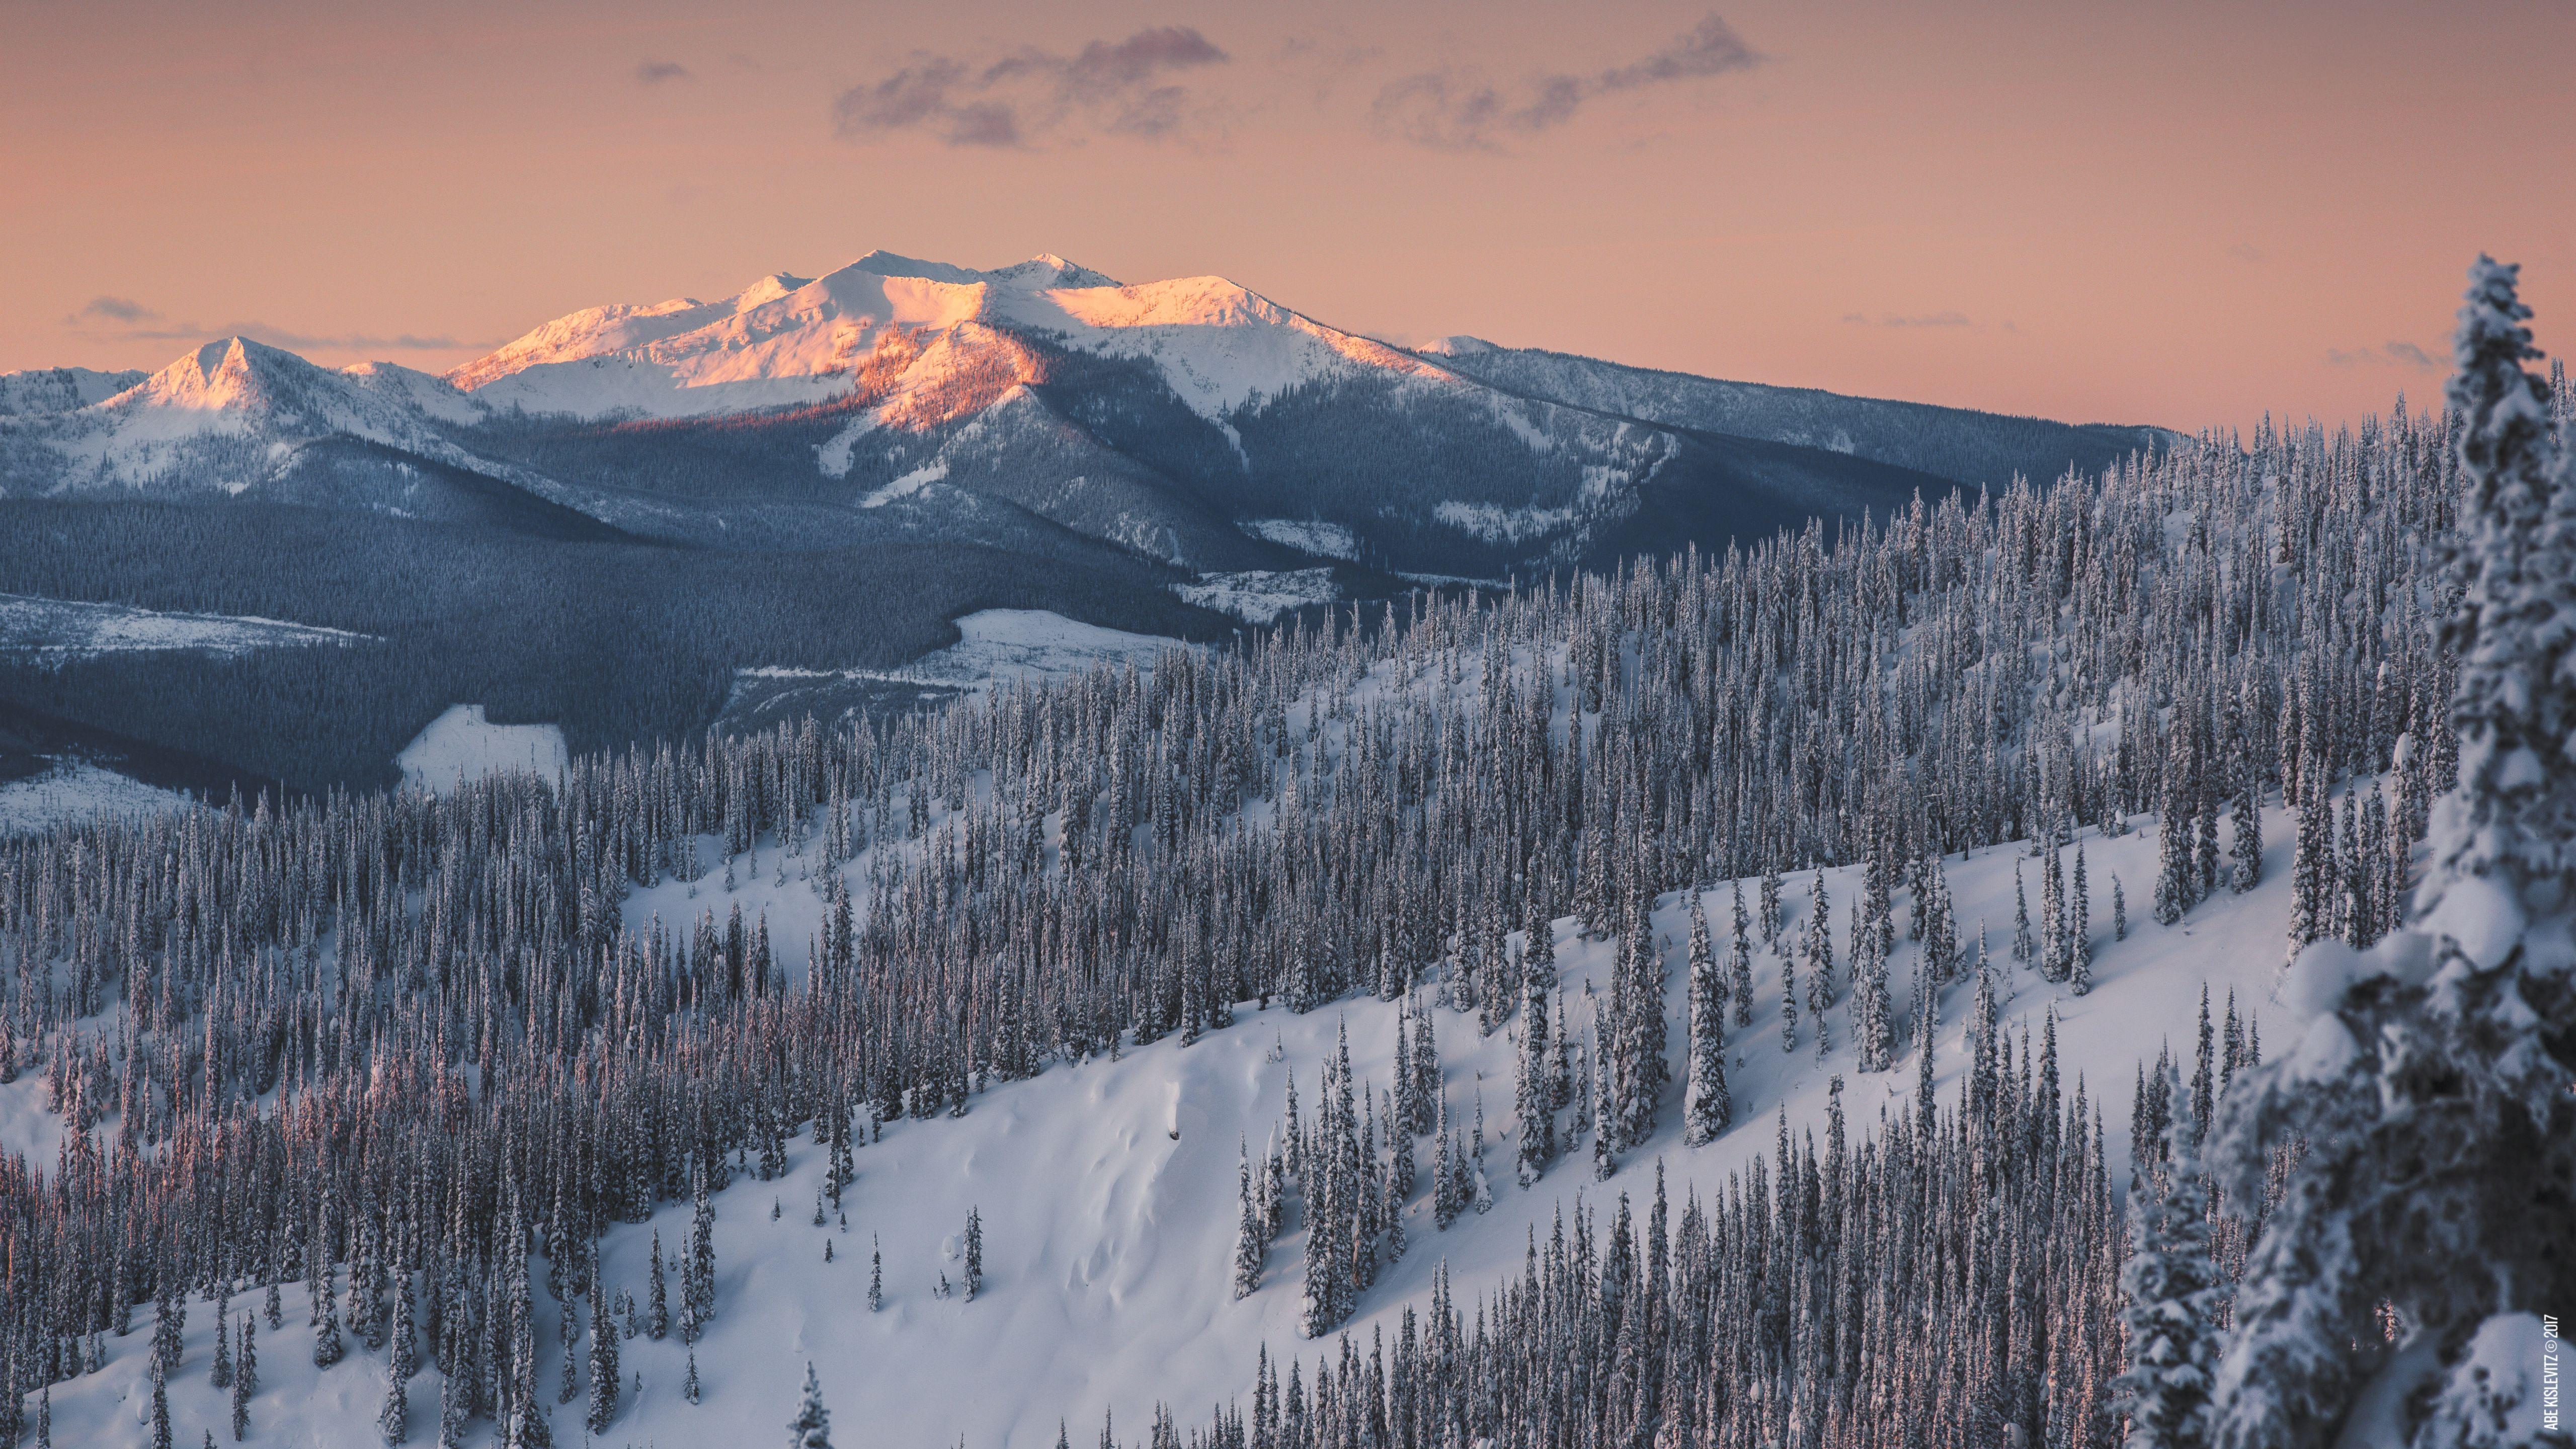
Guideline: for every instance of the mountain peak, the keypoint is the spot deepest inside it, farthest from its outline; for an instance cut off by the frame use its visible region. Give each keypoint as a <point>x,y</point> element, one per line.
<point>1046,270</point>
<point>768,289</point>
<point>1042,272</point>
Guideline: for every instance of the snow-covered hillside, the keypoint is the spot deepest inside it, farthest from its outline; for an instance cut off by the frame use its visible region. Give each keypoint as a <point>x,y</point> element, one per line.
<point>60,389</point>
<point>56,629</point>
<point>73,792</point>
<point>1182,420</point>
<point>1107,1191</point>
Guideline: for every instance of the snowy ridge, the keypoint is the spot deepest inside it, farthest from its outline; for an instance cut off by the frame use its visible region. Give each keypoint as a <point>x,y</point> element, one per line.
<point>60,389</point>
<point>785,341</point>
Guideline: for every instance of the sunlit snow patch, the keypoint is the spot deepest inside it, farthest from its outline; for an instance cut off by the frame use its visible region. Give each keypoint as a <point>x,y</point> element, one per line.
<point>464,742</point>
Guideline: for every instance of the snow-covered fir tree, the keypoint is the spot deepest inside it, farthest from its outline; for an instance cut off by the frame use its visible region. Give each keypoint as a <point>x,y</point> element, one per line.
<point>2436,1102</point>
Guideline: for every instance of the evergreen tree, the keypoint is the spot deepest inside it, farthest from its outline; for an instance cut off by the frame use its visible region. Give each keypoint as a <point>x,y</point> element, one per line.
<point>2311,874</point>
<point>393,1422</point>
<point>327,1345</point>
<point>657,1322</point>
<point>812,1426</point>
<point>2079,931</point>
<point>1707,1108</point>
<point>1249,1240</point>
<point>1739,964</point>
<point>2176,874</point>
<point>2176,1302</point>
<point>604,1378</point>
<point>2449,1113</point>
<point>2246,851</point>
<point>974,1244</point>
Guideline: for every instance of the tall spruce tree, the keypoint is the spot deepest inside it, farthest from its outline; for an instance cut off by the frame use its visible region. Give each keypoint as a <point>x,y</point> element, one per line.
<point>2176,1302</point>
<point>2437,1099</point>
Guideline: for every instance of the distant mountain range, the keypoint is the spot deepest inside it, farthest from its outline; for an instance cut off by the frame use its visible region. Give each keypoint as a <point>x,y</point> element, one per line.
<point>640,522</point>
<point>1191,423</point>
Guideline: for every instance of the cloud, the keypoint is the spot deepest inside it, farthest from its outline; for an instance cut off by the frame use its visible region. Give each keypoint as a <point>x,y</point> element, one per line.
<point>112,309</point>
<point>1457,109</point>
<point>133,319</point>
<point>2246,252</point>
<point>654,72</point>
<point>2387,354</point>
<point>1122,87</point>
<point>122,319</point>
<point>1924,319</point>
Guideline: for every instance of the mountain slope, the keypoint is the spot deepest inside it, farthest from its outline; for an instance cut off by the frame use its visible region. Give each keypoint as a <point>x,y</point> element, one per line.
<point>1191,421</point>
<point>60,389</point>
<point>1959,443</point>
<point>1107,1192</point>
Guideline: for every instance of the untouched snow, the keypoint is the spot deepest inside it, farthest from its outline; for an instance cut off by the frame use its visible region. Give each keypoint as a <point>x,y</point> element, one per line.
<point>1103,1227</point>
<point>1006,645</point>
<point>462,742</point>
<point>1258,596</point>
<point>1003,645</point>
<point>75,790</point>
<point>63,629</point>
<point>26,1127</point>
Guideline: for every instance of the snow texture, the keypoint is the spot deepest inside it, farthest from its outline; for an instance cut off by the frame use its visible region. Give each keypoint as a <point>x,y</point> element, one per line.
<point>60,629</point>
<point>463,743</point>
<point>1103,1227</point>
<point>76,790</point>
<point>1258,596</point>
<point>1326,540</point>
<point>786,341</point>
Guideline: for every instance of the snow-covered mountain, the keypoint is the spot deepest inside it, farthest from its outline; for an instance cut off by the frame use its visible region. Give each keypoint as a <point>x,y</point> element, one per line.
<point>60,389</point>
<point>1190,421</point>
<point>1976,447</point>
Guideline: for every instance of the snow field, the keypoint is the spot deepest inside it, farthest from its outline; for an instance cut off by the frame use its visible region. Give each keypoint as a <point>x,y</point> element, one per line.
<point>76,790</point>
<point>463,741</point>
<point>63,629</point>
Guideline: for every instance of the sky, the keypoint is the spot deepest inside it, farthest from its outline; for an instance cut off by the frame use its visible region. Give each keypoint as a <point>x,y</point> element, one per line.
<point>2180,213</point>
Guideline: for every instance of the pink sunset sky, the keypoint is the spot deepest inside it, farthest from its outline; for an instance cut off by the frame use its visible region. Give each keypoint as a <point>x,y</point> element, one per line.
<point>2178,213</point>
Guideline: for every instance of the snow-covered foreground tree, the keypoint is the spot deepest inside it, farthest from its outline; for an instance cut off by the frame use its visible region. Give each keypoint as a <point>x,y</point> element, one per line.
<point>2435,1203</point>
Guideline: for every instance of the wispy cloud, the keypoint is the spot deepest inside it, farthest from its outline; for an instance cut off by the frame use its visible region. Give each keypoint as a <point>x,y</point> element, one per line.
<point>2387,354</point>
<point>1922,319</point>
<point>111,309</point>
<point>1121,87</point>
<point>655,72</point>
<point>1458,109</point>
<point>127,320</point>
<point>2246,252</point>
